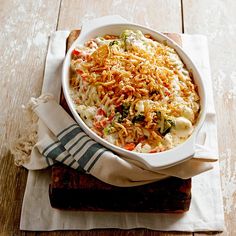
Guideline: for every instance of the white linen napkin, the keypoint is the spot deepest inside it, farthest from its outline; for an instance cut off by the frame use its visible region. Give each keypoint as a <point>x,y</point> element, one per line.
<point>206,212</point>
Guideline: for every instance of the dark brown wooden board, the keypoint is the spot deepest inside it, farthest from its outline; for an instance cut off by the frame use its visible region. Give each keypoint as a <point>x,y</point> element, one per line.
<point>70,189</point>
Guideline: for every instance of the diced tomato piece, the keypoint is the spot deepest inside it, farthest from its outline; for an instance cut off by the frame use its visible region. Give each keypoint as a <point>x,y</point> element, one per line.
<point>103,123</point>
<point>84,77</point>
<point>129,146</point>
<point>97,125</point>
<point>78,71</point>
<point>76,52</point>
<point>153,151</point>
<point>167,93</point>
<point>100,124</point>
<point>157,149</point>
<point>101,112</point>
<point>87,57</point>
<point>111,117</point>
<point>166,85</point>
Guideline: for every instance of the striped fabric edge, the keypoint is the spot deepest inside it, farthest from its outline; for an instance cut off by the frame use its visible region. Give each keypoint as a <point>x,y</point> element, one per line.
<point>50,161</point>
<point>61,155</point>
<point>65,149</point>
<point>50,147</point>
<point>94,159</point>
<point>73,145</point>
<point>58,146</point>
<point>80,151</point>
<point>47,150</point>
<point>68,136</point>
<point>82,157</point>
<point>67,130</point>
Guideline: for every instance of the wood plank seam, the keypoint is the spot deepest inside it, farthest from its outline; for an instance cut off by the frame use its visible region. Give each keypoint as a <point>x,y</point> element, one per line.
<point>182,15</point>
<point>58,15</point>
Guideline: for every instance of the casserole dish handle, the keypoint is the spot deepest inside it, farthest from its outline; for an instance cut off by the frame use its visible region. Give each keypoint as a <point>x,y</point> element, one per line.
<point>171,157</point>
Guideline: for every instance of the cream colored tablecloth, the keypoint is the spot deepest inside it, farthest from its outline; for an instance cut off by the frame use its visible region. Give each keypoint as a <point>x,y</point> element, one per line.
<point>206,211</point>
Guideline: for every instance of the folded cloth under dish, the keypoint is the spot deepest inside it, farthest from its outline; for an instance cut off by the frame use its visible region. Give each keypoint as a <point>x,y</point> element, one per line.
<point>206,210</point>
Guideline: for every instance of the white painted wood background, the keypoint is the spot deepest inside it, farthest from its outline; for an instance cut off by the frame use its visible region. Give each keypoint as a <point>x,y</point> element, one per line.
<point>25,26</point>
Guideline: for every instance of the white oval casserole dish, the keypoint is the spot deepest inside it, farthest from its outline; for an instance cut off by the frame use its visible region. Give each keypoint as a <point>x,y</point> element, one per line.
<point>115,25</point>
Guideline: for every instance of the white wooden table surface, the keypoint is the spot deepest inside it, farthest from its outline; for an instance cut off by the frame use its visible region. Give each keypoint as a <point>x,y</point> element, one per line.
<point>25,26</point>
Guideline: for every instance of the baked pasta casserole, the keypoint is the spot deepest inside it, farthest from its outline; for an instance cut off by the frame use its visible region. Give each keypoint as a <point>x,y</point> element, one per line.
<point>134,92</point>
